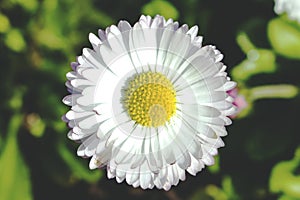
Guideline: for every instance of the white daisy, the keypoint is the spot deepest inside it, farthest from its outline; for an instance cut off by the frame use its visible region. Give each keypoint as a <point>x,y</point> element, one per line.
<point>290,7</point>
<point>149,102</point>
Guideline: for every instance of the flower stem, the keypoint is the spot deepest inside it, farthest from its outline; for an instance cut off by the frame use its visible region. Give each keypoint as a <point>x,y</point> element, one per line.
<point>273,91</point>
<point>245,43</point>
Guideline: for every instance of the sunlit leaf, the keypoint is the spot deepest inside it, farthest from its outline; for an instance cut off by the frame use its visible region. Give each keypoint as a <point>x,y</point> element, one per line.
<point>258,60</point>
<point>15,181</point>
<point>29,5</point>
<point>286,197</point>
<point>200,194</point>
<point>283,180</point>
<point>16,101</point>
<point>1,143</point>
<point>216,167</point>
<point>216,192</point>
<point>161,7</point>
<point>15,40</point>
<point>4,23</point>
<point>49,38</point>
<point>284,36</point>
<point>228,188</point>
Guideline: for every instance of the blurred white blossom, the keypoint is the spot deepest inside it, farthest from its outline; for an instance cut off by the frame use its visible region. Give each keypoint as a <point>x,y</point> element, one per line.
<point>290,7</point>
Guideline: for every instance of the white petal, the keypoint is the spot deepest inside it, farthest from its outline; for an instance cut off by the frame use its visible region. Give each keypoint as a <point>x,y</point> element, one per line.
<point>145,176</point>
<point>70,100</point>
<point>124,26</point>
<point>94,163</point>
<point>208,159</point>
<point>88,122</point>
<point>95,41</point>
<point>195,111</point>
<point>145,21</point>
<point>198,41</point>
<point>211,97</point>
<point>196,166</point>
<point>87,97</point>
<point>120,174</point>
<point>91,75</point>
<point>102,35</point>
<point>132,176</point>
<point>91,144</point>
<point>193,32</point>
<point>157,22</point>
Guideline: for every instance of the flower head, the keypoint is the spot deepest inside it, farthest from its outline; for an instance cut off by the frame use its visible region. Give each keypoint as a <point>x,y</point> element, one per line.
<point>290,7</point>
<point>149,102</point>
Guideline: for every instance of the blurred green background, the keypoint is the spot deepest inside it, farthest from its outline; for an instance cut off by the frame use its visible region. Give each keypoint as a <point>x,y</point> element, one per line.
<point>38,40</point>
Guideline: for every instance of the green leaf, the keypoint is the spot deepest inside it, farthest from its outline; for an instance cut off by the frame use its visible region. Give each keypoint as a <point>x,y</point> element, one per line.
<point>283,180</point>
<point>258,60</point>
<point>284,36</point>
<point>200,194</point>
<point>15,181</point>
<point>214,169</point>
<point>215,192</point>
<point>4,23</point>
<point>1,143</point>
<point>15,40</point>
<point>228,188</point>
<point>161,7</point>
<point>16,102</point>
<point>29,5</point>
<point>286,197</point>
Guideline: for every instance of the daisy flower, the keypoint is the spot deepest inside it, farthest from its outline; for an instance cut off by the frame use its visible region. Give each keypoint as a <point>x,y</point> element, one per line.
<point>149,102</point>
<point>290,7</point>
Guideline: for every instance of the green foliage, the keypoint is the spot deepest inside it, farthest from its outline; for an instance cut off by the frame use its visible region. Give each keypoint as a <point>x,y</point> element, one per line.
<point>211,191</point>
<point>228,188</point>
<point>284,36</point>
<point>4,23</point>
<point>16,102</point>
<point>15,40</point>
<point>14,174</point>
<point>161,7</point>
<point>216,167</point>
<point>258,60</point>
<point>283,178</point>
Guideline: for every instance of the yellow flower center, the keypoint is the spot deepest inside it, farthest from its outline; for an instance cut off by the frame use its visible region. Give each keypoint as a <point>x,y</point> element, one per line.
<point>150,99</point>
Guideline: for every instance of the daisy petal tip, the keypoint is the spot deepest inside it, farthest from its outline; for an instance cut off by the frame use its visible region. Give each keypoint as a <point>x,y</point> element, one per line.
<point>64,118</point>
<point>167,186</point>
<point>74,65</point>
<point>124,26</point>
<point>67,100</point>
<point>94,163</point>
<point>143,17</point>
<point>110,175</point>
<point>80,153</point>
<point>69,135</point>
